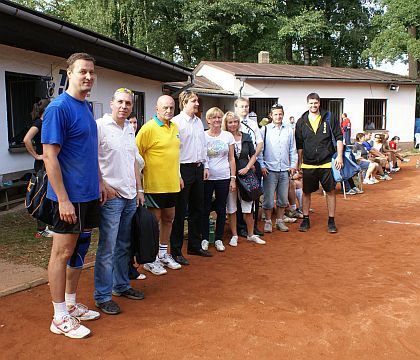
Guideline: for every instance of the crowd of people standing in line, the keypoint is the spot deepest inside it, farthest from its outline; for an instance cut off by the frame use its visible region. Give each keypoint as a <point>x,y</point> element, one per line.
<point>100,171</point>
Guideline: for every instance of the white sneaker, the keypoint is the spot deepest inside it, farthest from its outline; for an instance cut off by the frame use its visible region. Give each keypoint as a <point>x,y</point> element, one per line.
<point>81,312</point>
<point>256,239</point>
<point>69,326</point>
<point>205,244</point>
<point>368,181</point>
<point>406,160</point>
<point>280,225</point>
<point>287,219</point>
<point>219,245</point>
<point>168,261</point>
<point>155,268</point>
<point>375,181</point>
<point>268,226</point>
<point>234,241</point>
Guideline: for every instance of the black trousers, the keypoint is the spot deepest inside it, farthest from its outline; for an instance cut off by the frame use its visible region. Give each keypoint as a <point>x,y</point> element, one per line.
<point>191,197</point>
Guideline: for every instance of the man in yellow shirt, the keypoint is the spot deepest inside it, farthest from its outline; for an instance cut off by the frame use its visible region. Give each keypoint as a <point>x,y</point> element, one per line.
<point>315,149</point>
<point>158,143</point>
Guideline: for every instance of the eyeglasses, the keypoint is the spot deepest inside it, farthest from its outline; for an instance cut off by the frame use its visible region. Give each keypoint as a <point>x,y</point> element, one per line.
<point>124,90</point>
<point>277,106</point>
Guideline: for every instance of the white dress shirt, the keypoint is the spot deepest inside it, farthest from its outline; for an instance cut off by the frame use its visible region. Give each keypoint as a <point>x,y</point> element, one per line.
<point>250,127</point>
<point>191,134</point>
<point>117,155</point>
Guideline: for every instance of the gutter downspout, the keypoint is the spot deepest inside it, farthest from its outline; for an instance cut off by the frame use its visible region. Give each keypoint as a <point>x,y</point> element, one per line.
<point>242,80</point>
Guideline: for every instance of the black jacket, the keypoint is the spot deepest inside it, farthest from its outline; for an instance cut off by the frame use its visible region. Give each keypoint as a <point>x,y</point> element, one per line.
<point>247,151</point>
<point>317,147</point>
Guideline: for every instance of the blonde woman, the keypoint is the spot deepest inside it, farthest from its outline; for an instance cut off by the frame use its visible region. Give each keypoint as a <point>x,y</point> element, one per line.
<point>244,159</point>
<point>221,165</point>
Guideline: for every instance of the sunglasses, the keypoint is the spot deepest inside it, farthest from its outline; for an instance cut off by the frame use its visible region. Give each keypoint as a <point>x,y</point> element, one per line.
<point>277,106</point>
<point>124,90</point>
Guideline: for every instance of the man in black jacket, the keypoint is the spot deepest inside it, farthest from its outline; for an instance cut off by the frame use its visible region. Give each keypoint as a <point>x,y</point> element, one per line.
<point>315,149</point>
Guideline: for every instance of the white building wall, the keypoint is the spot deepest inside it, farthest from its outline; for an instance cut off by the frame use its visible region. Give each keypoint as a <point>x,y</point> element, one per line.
<point>29,62</point>
<point>226,80</point>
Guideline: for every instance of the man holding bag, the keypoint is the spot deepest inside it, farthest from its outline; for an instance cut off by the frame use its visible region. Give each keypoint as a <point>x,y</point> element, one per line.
<point>315,149</point>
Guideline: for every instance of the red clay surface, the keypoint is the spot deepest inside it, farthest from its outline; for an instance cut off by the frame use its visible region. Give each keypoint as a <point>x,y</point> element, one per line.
<point>352,295</point>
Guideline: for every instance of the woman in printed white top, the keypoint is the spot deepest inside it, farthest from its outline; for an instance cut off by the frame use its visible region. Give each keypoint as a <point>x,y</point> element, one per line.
<point>221,165</point>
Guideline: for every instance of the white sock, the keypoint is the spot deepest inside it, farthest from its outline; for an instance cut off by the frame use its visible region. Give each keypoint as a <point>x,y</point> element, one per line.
<point>163,249</point>
<point>391,166</point>
<point>268,221</point>
<point>70,299</point>
<point>60,311</point>
<point>299,196</point>
<point>293,206</point>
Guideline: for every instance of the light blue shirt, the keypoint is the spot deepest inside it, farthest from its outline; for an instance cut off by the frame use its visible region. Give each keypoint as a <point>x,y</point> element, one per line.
<point>279,153</point>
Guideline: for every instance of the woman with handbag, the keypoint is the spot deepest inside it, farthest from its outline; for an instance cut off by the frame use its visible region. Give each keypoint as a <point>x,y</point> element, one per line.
<point>245,159</point>
<point>220,163</point>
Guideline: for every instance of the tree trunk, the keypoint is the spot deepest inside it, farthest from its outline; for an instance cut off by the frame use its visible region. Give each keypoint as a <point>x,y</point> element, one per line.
<point>288,47</point>
<point>412,61</point>
<point>306,55</point>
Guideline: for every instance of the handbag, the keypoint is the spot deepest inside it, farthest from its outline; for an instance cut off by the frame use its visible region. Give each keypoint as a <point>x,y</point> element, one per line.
<point>350,167</point>
<point>249,186</point>
<point>36,201</point>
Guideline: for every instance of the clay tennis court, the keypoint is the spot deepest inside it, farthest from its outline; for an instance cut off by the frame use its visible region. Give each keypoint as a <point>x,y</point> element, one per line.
<point>350,295</point>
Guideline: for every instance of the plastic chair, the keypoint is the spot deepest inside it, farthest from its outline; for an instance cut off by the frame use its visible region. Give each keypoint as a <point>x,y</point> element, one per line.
<point>417,138</point>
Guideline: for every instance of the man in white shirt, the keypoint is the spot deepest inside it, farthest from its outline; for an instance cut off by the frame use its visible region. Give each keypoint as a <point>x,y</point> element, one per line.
<point>250,127</point>
<point>193,174</point>
<point>119,169</point>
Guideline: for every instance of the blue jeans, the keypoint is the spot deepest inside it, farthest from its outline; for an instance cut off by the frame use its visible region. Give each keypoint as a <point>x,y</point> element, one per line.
<point>276,181</point>
<point>112,256</point>
<point>221,191</point>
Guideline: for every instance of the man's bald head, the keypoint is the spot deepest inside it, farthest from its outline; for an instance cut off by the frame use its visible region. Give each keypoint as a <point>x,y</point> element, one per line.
<point>165,108</point>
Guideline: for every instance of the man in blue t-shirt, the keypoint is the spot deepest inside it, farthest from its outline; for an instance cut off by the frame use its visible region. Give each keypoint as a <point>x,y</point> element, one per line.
<point>70,143</point>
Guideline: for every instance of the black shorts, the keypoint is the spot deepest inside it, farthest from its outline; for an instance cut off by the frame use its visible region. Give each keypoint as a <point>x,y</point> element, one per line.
<point>87,213</point>
<point>312,178</point>
<point>160,201</point>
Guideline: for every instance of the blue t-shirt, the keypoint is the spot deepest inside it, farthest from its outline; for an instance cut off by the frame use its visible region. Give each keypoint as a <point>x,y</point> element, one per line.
<point>69,123</point>
<point>367,146</point>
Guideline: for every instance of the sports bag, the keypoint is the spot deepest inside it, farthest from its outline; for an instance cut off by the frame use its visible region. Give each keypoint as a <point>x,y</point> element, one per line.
<point>36,201</point>
<point>144,236</point>
<point>249,186</point>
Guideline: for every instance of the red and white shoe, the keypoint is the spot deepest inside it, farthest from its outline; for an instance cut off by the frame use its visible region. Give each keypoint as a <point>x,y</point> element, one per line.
<point>70,327</point>
<point>81,312</point>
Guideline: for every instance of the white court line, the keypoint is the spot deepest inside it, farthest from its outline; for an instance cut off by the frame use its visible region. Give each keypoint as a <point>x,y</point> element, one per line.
<point>398,222</point>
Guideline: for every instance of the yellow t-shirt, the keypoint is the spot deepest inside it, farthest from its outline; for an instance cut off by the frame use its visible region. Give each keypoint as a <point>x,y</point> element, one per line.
<point>315,121</point>
<point>159,144</point>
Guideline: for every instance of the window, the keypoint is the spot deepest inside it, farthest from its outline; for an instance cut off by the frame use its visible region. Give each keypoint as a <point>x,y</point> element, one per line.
<point>22,91</point>
<point>374,114</point>
<point>261,106</point>
<point>334,106</point>
<point>138,107</point>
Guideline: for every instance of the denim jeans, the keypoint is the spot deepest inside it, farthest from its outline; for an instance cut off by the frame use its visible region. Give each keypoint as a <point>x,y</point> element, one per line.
<point>276,181</point>
<point>221,191</point>
<point>112,256</point>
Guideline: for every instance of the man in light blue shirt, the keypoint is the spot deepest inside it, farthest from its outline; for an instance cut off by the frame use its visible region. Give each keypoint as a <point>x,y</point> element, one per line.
<point>278,158</point>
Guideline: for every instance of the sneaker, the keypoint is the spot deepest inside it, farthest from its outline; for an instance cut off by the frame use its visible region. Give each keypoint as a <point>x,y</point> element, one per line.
<point>155,268</point>
<point>141,277</point>
<point>288,219</point>
<point>406,160</point>
<point>351,192</point>
<point>109,307</point>
<point>375,181</point>
<point>256,239</point>
<point>357,190</point>
<point>304,225</point>
<point>168,261</point>
<point>44,233</point>
<point>368,181</point>
<point>219,245</point>
<point>294,214</point>
<point>82,313</point>
<point>234,241</point>
<point>69,326</point>
<point>332,229</point>
<point>205,244</point>
<point>130,293</point>
<point>268,226</point>
<point>281,226</point>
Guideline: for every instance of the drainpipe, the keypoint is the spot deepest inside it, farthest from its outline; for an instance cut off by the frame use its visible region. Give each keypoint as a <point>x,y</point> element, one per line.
<point>242,80</point>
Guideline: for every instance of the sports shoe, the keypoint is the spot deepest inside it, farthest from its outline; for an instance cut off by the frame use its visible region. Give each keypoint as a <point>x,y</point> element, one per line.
<point>294,214</point>
<point>351,192</point>
<point>332,229</point>
<point>256,239</point>
<point>304,225</point>
<point>357,190</point>
<point>281,226</point>
<point>375,181</point>
<point>168,261</point>
<point>234,241</point>
<point>82,313</point>
<point>406,160</point>
<point>368,181</point>
<point>44,233</point>
<point>385,177</point>
<point>268,226</point>
<point>205,244</point>
<point>70,327</point>
<point>288,219</point>
<point>109,307</point>
<point>219,245</point>
<point>130,293</point>
<point>156,268</point>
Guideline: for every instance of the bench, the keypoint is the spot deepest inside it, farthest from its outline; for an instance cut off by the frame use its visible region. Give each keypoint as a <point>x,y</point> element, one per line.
<point>12,194</point>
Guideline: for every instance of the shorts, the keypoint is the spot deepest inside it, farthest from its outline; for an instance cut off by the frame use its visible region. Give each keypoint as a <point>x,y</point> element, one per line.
<point>161,200</point>
<point>312,178</point>
<point>87,213</point>
<point>231,206</point>
<point>364,164</point>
